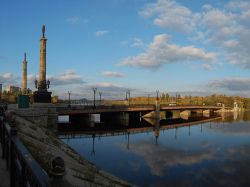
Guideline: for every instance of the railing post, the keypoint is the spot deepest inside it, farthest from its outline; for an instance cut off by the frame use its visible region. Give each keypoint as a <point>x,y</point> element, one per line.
<point>13,133</point>
<point>1,122</point>
<point>2,139</point>
<point>7,151</point>
<point>1,132</point>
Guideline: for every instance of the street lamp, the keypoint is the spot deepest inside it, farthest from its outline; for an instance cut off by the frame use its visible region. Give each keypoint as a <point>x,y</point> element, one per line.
<point>94,90</point>
<point>176,98</point>
<point>128,93</point>
<point>100,94</point>
<point>69,93</point>
<point>157,94</point>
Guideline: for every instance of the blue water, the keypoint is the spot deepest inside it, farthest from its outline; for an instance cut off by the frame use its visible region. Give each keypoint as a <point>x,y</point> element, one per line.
<point>209,154</point>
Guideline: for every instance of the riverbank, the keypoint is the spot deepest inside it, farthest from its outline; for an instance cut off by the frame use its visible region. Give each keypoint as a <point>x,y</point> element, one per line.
<point>44,146</point>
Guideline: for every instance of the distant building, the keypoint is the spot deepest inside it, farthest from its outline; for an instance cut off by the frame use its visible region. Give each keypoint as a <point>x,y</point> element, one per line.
<point>219,104</point>
<point>12,89</point>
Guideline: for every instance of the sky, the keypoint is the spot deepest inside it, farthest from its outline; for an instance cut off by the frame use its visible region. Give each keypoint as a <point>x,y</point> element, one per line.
<point>196,47</point>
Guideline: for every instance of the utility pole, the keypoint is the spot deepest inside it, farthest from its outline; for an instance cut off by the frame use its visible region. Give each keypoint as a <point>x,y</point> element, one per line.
<point>100,94</point>
<point>69,93</point>
<point>128,93</point>
<point>94,90</point>
<point>157,94</point>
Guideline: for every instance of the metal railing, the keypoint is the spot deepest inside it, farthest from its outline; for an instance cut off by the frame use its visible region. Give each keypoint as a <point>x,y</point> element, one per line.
<point>23,169</point>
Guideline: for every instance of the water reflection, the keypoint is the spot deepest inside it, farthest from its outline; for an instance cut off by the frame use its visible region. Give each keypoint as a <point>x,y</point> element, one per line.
<point>158,153</point>
<point>161,158</point>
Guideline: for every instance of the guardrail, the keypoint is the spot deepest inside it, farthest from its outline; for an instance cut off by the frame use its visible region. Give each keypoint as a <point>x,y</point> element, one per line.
<point>24,170</point>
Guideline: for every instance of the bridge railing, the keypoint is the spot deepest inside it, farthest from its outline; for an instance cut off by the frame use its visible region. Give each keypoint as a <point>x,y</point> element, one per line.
<point>100,107</point>
<point>23,169</point>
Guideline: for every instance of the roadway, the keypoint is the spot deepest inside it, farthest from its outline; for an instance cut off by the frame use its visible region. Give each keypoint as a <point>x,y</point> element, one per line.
<point>135,108</point>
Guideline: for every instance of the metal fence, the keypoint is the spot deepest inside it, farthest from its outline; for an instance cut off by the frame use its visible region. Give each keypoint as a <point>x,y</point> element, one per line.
<point>23,169</point>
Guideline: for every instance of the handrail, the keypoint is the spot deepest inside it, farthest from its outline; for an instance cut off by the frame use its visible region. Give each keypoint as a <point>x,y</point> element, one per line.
<point>38,175</point>
<point>24,170</point>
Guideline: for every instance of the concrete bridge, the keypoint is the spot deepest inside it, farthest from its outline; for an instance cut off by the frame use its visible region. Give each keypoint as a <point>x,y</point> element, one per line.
<point>133,108</point>
<point>128,114</point>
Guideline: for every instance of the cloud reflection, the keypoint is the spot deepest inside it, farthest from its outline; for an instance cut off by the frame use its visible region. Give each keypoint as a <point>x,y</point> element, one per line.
<point>226,167</point>
<point>160,158</point>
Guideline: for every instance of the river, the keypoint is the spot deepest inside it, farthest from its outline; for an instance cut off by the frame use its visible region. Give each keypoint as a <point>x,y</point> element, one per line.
<point>215,153</point>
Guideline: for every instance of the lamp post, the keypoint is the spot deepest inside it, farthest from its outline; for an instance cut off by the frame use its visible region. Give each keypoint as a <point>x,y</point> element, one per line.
<point>126,98</point>
<point>128,93</point>
<point>176,98</point>
<point>100,94</point>
<point>157,94</point>
<point>94,90</point>
<point>69,93</point>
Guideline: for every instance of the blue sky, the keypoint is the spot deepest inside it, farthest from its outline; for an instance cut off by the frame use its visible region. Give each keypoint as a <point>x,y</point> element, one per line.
<point>198,47</point>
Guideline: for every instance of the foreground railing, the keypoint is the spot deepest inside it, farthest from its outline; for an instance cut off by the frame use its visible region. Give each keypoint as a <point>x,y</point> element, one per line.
<point>23,169</point>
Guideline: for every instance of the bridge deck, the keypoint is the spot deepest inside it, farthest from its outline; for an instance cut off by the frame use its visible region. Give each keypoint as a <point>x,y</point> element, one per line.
<point>4,175</point>
<point>99,110</point>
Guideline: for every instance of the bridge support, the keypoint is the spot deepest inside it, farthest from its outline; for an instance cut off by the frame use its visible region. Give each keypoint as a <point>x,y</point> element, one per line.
<point>185,114</point>
<point>157,114</point>
<point>208,113</point>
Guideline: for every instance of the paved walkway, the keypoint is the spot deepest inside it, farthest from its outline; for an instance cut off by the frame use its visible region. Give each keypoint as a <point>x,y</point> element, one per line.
<point>4,175</point>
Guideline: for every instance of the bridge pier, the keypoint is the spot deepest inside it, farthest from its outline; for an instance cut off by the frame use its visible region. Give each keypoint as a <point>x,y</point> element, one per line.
<point>185,114</point>
<point>208,113</point>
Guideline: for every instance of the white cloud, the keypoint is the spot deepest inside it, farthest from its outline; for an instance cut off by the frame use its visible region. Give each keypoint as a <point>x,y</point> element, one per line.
<point>112,74</point>
<point>235,84</point>
<point>170,14</point>
<point>160,52</point>
<point>137,42</point>
<point>207,7</point>
<point>9,78</point>
<point>109,90</point>
<point>215,19</point>
<point>101,33</point>
<point>208,67</point>
<point>234,5</point>
<point>31,77</point>
<point>76,20</point>
<point>68,77</point>
<point>226,28</point>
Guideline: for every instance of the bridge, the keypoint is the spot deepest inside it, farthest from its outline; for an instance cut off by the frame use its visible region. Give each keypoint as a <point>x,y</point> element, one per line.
<point>133,108</point>
<point>132,113</point>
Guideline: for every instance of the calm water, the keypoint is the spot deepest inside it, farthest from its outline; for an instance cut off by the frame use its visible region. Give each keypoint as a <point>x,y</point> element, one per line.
<point>208,154</point>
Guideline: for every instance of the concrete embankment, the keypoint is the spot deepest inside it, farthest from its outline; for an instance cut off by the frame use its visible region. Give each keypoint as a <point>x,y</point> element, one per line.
<point>44,146</point>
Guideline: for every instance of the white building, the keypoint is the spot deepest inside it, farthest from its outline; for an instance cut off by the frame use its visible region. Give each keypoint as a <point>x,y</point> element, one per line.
<point>12,89</point>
